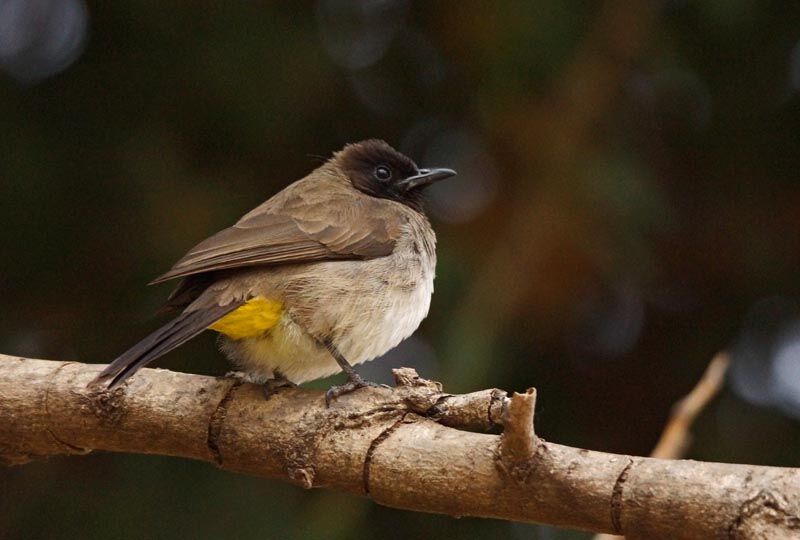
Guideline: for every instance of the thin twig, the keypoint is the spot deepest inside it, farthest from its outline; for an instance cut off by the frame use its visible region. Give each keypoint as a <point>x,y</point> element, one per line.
<point>676,437</point>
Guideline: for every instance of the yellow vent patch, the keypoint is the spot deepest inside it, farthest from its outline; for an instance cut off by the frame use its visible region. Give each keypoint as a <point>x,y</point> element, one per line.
<point>251,320</point>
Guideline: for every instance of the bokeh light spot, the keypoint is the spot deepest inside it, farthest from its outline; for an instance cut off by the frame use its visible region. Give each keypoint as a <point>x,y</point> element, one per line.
<point>39,38</point>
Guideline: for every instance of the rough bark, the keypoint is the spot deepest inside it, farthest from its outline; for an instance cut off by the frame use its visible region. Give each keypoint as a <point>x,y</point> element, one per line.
<point>676,437</point>
<point>400,446</point>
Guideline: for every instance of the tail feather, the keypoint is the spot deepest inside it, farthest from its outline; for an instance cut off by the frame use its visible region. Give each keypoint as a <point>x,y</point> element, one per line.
<point>173,334</point>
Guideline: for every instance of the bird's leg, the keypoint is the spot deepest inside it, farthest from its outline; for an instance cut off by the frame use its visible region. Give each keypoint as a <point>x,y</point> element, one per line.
<point>354,380</point>
<point>277,383</point>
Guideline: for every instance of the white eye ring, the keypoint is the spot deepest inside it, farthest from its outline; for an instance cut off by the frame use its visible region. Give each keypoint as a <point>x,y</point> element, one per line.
<point>383,173</point>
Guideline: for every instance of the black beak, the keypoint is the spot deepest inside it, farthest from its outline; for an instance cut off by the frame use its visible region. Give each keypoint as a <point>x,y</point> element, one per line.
<point>425,178</point>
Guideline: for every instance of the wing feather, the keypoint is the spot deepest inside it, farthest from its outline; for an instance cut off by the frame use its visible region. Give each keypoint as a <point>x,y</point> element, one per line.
<point>308,221</point>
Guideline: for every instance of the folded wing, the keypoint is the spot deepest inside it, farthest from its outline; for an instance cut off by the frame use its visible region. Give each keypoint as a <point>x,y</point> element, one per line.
<point>302,225</point>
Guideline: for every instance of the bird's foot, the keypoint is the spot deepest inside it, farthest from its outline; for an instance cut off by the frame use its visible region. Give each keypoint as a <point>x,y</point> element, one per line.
<point>239,376</point>
<point>244,377</point>
<point>272,386</point>
<point>353,383</point>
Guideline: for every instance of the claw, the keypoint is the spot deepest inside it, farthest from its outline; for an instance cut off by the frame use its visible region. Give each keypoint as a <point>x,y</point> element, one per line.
<point>240,376</point>
<point>354,383</point>
<point>272,386</point>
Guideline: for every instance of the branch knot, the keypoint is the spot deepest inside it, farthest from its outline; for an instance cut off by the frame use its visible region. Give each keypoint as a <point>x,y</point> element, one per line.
<point>518,443</point>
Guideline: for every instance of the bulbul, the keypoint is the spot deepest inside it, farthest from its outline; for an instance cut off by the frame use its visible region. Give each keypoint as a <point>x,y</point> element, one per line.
<point>332,271</point>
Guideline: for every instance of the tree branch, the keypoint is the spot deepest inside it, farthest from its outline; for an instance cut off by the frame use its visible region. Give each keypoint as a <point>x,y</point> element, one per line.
<point>386,443</point>
<point>676,437</point>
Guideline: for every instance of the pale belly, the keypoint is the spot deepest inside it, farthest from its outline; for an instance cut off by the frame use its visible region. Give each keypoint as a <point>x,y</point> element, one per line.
<point>365,324</point>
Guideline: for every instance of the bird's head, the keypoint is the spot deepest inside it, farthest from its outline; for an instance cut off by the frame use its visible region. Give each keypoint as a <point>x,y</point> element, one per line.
<point>377,169</point>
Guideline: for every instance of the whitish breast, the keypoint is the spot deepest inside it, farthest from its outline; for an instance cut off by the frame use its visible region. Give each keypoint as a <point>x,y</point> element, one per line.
<point>401,300</point>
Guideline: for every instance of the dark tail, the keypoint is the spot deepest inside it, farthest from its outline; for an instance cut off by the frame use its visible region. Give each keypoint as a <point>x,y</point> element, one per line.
<point>173,334</point>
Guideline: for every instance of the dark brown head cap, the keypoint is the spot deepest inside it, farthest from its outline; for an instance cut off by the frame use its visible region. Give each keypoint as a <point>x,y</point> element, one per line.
<point>379,170</point>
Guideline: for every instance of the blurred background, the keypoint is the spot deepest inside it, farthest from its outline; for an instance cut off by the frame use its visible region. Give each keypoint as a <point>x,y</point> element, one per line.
<point>627,205</point>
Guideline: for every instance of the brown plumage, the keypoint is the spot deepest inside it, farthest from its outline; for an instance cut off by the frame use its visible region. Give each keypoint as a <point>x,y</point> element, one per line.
<point>306,255</point>
<point>314,219</point>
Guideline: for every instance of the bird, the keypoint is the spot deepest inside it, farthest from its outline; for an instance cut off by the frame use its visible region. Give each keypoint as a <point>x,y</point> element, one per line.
<point>332,271</point>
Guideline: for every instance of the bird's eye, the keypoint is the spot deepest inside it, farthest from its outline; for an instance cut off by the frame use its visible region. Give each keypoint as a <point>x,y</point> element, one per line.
<point>383,173</point>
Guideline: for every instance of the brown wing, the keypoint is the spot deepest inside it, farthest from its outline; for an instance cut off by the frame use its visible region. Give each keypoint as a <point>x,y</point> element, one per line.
<point>308,221</point>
